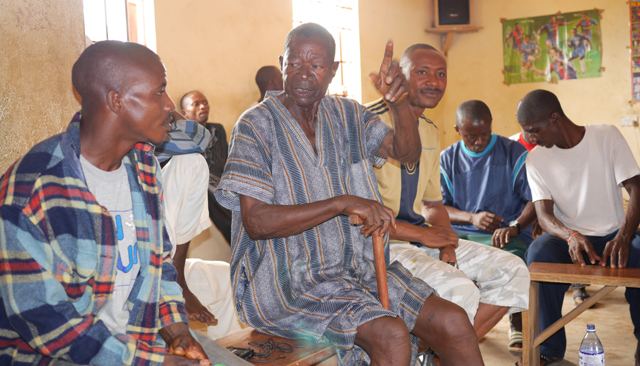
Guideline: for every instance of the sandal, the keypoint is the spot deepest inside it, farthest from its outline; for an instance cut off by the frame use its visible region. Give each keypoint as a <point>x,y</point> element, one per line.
<point>427,359</point>
<point>582,295</point>
<point>515,341</point>
<point>548,360</point>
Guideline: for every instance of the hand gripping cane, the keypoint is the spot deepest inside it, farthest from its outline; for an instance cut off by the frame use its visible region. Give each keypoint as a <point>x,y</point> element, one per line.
<point>381,267</point>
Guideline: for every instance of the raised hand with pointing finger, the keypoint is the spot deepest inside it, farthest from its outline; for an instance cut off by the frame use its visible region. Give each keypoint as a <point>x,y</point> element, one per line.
<point>390,80</point>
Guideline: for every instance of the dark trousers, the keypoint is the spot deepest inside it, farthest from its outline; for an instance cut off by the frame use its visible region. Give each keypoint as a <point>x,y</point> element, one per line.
<point>550,249</point>
<point>220,216</point>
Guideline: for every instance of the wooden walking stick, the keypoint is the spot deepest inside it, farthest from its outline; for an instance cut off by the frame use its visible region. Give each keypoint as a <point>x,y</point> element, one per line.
<point>381,266</point>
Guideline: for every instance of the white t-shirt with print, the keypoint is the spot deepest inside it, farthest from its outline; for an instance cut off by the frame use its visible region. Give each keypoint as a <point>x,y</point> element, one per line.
<point>112,191</point>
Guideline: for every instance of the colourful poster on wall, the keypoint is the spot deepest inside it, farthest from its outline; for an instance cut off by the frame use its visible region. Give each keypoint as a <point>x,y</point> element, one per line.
<point>553,47</point>
<point>634,16</point>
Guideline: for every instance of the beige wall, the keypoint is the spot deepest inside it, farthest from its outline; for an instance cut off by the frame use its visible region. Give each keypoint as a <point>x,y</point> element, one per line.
<point>40,41</point>
<point>218,46</point>
<point>207,55</point>
<point>475,69</point>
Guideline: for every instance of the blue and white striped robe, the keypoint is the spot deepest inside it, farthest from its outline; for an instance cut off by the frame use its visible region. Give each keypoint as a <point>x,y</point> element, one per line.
<point>319,284</point>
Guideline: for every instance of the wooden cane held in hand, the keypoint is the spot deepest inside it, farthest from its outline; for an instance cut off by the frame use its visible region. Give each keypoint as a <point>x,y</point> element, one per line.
<point>381,266</point>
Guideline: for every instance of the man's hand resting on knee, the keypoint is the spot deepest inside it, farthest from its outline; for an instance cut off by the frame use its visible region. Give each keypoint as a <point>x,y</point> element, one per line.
<point>502,236</point>
<point>578,243</point>
<point>618,250</point>
<point>448,254</point>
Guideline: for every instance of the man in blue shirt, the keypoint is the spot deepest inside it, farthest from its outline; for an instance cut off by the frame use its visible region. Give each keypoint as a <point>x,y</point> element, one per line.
<point>484,183</point>
<point>485,189</point>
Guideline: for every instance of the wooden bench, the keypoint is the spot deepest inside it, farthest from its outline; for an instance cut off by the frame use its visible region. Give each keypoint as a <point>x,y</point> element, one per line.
<point>608,277</point>
<point>308,355</point>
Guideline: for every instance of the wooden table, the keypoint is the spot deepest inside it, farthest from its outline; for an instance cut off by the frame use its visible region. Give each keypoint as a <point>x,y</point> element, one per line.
<point>608,277</point>
<point>308,355</point>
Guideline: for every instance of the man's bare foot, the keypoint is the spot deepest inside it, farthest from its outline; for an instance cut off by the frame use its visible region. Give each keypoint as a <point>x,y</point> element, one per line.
<point>196,310</point>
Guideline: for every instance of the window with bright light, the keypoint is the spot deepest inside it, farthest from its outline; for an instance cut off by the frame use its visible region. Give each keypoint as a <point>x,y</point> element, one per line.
<point>340,18</point>
<point>124,20</point>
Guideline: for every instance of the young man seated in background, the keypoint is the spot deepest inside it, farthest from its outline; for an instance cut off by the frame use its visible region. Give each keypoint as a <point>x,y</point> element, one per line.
<point>485,190</point>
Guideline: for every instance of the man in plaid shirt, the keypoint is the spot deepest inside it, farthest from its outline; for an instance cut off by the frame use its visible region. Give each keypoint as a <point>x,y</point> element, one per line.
<point>85,268</point>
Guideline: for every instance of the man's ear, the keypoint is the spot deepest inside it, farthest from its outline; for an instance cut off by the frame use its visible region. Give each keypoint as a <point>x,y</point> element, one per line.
<point>334,67</point>
<point>115,102</point>
<point>280,59</point>
<point>554,117</point>
<point>455,127</point>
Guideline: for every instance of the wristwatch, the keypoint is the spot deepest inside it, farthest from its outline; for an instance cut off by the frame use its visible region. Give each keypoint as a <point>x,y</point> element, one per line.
<point>515,224</point>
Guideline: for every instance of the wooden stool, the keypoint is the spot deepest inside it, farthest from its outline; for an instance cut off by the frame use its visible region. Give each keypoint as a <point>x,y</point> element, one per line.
<point>608,277</point>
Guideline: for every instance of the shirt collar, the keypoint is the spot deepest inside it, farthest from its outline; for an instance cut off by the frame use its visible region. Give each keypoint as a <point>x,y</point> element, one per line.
<point>486,150</point>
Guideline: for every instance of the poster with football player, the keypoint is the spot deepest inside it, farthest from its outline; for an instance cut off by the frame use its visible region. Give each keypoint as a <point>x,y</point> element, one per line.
<point>551,48</point>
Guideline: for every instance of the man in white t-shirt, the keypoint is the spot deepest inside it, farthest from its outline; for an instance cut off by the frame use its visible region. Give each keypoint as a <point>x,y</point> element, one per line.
<point>575,176</point>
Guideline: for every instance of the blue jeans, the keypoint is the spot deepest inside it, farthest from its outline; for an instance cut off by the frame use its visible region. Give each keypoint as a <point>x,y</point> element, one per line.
<point>550,249</point>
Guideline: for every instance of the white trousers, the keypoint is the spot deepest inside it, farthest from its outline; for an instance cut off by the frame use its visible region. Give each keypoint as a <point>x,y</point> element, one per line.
<point>210,281</point>
<point>500,278</point>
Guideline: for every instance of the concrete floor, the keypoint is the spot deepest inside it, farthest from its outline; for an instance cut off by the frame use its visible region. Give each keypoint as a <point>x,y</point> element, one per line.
<point>613,326</point>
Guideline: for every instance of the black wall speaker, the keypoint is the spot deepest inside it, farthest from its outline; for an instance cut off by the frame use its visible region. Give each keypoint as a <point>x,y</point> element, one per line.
<point>453,12</point>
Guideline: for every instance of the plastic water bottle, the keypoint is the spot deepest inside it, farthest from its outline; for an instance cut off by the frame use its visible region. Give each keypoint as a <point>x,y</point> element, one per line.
<point>591,351</point>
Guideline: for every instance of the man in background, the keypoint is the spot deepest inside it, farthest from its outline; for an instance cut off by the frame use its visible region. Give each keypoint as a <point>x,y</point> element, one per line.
<point>195,106</point>
<point>484,183</point>
<point>485,190</point>
<point>268,78</point>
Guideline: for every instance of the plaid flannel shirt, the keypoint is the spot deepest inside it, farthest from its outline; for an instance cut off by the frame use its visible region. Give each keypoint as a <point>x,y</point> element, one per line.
<point>58,258</point>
